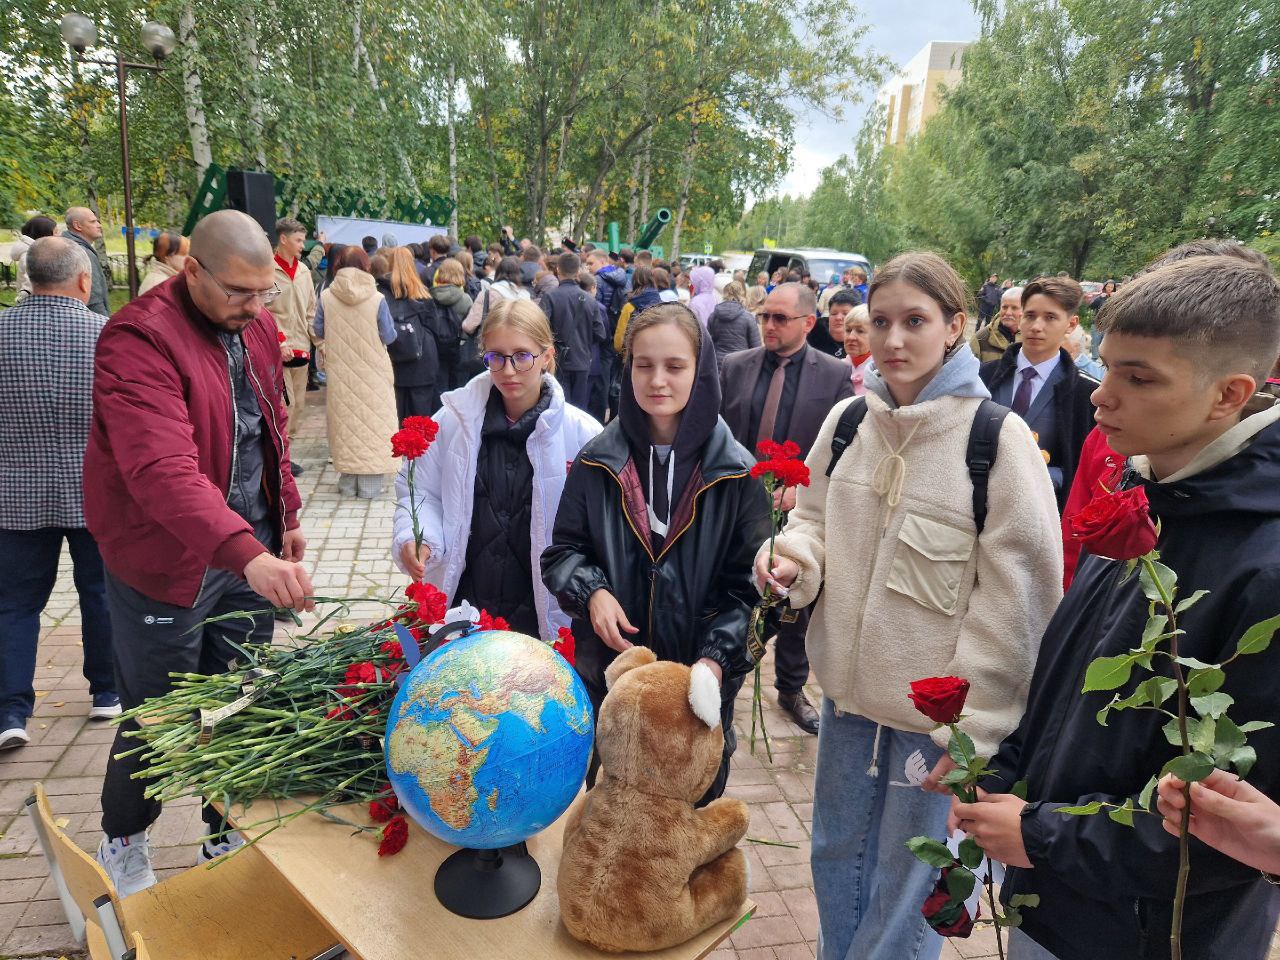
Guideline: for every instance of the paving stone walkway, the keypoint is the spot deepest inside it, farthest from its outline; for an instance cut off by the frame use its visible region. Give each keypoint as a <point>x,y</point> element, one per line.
<point>348,553</point>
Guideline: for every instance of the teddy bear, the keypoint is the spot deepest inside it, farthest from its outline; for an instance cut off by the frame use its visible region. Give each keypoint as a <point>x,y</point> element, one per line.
<point>642,869</point>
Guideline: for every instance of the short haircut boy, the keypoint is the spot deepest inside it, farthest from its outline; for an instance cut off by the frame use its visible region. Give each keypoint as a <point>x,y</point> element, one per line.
<point>1221,311</point>
<point>568,265</point>
<point>850,297</point>
<point>1063,291</point>
<point>288,225</point>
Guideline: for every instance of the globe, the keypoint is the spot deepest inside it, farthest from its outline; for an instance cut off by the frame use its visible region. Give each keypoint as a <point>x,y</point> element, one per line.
<point>488,739</point>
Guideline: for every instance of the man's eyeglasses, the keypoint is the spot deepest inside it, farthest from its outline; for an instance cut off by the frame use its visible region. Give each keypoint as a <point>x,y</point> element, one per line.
<point>780,319</point>
<point>522,361</point>
<point>237,298</point>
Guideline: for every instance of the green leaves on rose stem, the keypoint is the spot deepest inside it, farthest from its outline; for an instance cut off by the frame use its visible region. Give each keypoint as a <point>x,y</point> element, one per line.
<point>1108,673</point>
<point>1189,602</point>
<point>1020,789</point>
<point>1123,814</point>
<point>1151,692</point>
<point>930,851</point>
<point>1205,680</point>
<point>1258,637</point>
<point>1212,704</point>
<point>1147,796</point>
<point>1191,768</point>
<point>1160,587</point>
<point>960,883</point>
<point>1084,809</point>
<point>961,748</point>
<point>970,853</point>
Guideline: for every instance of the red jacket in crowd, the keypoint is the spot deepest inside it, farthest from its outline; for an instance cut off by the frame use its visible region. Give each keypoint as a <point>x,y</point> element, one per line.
<point>157,468</point>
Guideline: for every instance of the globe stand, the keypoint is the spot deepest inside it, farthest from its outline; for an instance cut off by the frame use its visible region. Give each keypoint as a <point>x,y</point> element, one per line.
<point>487,884</point>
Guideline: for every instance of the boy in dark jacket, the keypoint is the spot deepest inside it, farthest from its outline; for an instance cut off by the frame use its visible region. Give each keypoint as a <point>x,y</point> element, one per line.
<point>1185,347</point>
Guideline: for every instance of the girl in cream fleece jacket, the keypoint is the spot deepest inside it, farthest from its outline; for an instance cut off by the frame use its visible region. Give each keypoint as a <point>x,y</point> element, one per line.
<point>915,592</point>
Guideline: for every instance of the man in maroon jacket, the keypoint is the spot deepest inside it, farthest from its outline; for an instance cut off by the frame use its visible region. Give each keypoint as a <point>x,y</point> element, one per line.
<point>189,495</point>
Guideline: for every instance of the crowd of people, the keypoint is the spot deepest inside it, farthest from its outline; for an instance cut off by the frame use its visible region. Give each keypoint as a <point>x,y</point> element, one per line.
<point>599,415</point>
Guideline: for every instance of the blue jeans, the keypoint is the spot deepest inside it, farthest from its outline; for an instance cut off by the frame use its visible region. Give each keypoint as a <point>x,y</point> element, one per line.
<point>868,885</point>
<point>1022,947</point>
<point>28,571</point>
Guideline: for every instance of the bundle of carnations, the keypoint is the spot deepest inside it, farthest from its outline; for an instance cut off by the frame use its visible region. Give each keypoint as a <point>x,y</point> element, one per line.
<point>779,468</point>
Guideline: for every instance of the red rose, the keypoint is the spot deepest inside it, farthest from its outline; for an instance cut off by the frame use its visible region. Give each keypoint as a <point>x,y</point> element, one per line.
<point>393,837</point>
<point>1115,525</point>
<point>566,645</point>
<point>941,699</point>
<point>409,444</point>
<point>423,425</point>
<point>940,911</point>
<point>384,806</point>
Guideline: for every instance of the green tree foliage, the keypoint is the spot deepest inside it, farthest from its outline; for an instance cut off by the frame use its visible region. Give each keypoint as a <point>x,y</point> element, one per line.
<point>555,103</point>
<point>1084,135</point>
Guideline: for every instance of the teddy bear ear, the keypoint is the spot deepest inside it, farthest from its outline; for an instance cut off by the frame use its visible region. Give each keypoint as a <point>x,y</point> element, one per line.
<point>704,695</point>
<point>629,659</point>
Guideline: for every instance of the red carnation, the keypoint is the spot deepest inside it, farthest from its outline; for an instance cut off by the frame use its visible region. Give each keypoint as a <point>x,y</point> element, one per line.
<point>1115,525</point>
<point>409,444</point>
<point>392,837</point>
<point>340,712</point>
<point>787,450</point>
<point>565,646</point>
<point>938,910</point>
<point>488,622</point>
<point>383,807</point>
<point>941,699</point>
<point>785,473</point>
<point>300,354</point>
<point>423,425</point>
<point>432,604</point>
<point>392,649</point>
<point>280,336</point>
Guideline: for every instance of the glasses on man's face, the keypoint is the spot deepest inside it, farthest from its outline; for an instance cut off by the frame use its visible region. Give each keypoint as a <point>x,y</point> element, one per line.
<point>522,361</point>
<point>238,298</point>
<point>779,319</point>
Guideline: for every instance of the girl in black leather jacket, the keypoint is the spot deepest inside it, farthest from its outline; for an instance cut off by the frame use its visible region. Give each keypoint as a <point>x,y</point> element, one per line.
<point>660,520</point>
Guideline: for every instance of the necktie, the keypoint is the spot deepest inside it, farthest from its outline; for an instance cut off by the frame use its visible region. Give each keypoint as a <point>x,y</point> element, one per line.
<point>1022,399</point>
<point>769,415</point>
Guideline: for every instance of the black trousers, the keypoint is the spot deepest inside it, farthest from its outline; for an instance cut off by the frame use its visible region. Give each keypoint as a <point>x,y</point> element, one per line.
<point>790,661</point>
<point>416,402</point>
<point>151,640</point>
<point>728,692</point>
<point>577,387</point>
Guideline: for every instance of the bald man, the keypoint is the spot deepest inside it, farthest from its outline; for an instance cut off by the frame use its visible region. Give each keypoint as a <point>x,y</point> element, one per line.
<point>189,495</point>
<point>84,227</point>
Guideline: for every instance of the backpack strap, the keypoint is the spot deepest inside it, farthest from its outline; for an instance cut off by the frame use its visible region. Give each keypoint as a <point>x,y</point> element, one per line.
<point>984,443</point>
<point>850,419</point>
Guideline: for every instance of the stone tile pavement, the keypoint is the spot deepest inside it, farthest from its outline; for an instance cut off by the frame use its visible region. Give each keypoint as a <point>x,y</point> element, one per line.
<point>348,554</point>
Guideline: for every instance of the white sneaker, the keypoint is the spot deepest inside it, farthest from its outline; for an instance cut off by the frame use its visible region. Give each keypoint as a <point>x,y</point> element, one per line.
<point>127,861</point>
<point>231,840</point>
<point>15,736</point>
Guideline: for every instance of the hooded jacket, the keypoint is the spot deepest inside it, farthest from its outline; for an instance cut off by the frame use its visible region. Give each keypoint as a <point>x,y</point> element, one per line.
<point>702,295</point>
<point>636,304</point>
<point>161,453</point>
<point>732,328</point>
<point>990,342</point>
<point>1106,890</point>
<point>690,595</point>
<point>920,592</point>
<point>445,484</point>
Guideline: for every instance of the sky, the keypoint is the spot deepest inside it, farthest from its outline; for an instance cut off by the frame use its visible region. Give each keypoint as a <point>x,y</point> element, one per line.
<point>897,30</point>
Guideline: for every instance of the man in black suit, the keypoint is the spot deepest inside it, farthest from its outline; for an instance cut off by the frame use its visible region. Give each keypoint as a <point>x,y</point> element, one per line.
<point>577,327</point>
<point>781,391</point>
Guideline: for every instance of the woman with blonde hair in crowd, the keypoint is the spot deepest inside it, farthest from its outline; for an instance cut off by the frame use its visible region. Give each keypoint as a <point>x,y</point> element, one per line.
<point>415,357</point>
<point>448,290</point>
<point>731,325</point>
<point>353,326</point>
<point>167,257</point>
<point>488,489</point>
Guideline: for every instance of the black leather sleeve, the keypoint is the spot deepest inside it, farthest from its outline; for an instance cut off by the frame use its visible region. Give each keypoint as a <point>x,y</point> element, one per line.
<point>570,570</point>
<point>725,637</point>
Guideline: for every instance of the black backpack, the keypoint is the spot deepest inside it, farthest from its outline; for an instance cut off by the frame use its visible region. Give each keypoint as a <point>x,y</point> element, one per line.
<point>984,442</point>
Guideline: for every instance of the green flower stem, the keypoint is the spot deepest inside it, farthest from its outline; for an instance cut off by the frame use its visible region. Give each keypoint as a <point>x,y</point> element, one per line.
<point>413,511</point>
<point>1184,833</point>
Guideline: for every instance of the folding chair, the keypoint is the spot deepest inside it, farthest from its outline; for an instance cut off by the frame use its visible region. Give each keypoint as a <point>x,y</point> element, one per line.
<point>238,910</point>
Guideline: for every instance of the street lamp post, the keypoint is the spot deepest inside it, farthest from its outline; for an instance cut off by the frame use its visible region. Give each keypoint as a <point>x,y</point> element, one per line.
<point>80,33</point>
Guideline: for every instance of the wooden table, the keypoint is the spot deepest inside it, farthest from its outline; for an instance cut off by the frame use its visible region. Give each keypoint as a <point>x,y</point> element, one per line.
<point>385,908</point>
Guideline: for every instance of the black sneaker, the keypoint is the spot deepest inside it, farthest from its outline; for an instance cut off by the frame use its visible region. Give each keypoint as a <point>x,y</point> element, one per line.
<point>296,469</point>
<point>105,706</point>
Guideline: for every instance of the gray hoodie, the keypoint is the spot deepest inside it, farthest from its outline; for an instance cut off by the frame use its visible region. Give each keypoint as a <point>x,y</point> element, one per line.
<point>957,378</point>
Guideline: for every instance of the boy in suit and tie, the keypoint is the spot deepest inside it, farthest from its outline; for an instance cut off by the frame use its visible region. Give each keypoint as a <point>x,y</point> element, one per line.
<point>1038,380</point>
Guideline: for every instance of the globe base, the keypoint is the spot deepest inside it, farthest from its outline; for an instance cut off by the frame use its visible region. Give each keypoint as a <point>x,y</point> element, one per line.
<point>487,884</point>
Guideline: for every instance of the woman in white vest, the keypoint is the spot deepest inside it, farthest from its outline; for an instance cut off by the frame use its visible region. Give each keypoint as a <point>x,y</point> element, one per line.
<point>488,489</point>
<point>353,326</point>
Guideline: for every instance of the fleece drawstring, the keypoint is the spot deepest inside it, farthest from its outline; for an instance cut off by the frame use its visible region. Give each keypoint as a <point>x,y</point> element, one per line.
<point>874,770</point>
